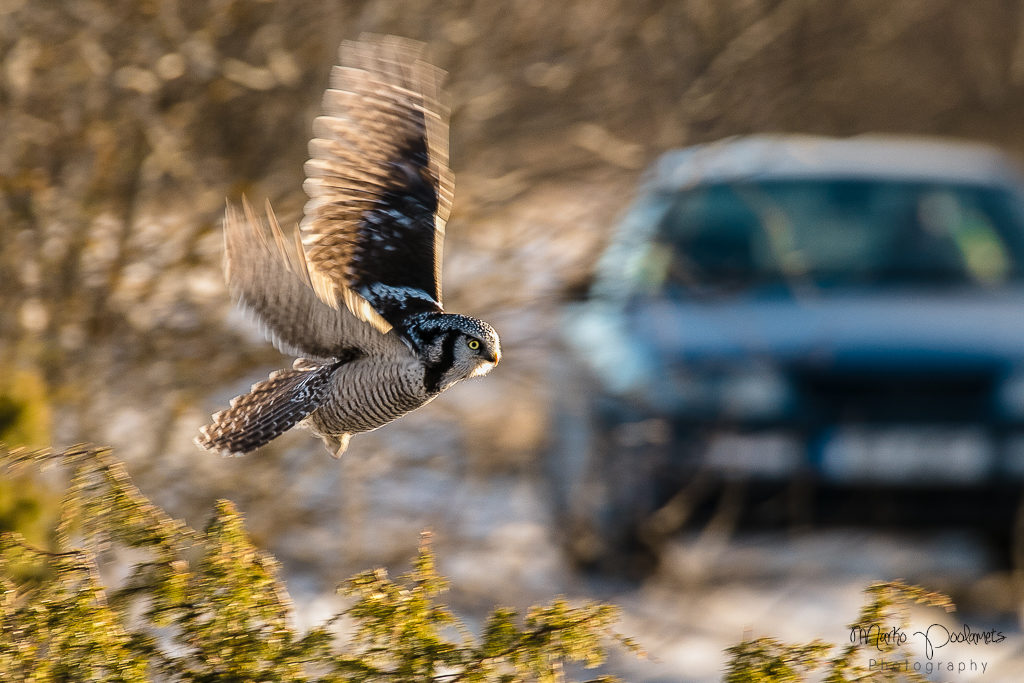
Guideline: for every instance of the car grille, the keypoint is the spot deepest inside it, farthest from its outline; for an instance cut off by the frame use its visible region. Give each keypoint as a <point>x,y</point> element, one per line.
<point>834,397</point>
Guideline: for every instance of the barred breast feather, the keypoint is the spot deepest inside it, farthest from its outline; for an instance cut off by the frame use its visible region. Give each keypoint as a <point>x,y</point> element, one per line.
<point>369,393</point>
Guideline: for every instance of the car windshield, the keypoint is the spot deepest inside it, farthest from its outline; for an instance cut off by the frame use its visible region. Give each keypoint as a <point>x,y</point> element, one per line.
<point>836,233</point>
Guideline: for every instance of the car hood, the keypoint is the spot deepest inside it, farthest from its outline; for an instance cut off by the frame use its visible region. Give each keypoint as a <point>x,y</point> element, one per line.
<point>630,346</point>
<point>862,328</point>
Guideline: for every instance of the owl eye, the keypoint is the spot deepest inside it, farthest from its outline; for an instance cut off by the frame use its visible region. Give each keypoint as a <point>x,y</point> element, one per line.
<point>473,344</point>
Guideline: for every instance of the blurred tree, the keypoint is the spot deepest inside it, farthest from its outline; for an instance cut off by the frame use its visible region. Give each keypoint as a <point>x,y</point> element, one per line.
<point>26,505</point>
<point>126,125</point>
<point>210,607</point>
<point>766,660</point>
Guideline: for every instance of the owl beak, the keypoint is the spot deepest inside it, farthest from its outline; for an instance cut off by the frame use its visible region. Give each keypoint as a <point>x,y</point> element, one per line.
<point>495,356</point>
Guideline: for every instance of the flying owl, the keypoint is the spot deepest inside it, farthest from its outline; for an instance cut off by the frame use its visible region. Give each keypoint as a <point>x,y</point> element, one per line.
<point>355,293</point>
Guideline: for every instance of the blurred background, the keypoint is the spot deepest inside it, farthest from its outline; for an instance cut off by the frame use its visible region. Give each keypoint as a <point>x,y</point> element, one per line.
<point>126,124</point>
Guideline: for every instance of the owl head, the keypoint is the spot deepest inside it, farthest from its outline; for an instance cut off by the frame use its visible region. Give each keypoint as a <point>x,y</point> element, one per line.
<point>459,348</point>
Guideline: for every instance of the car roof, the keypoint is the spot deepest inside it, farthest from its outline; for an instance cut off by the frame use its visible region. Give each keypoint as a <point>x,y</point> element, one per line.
<point>767,157</point>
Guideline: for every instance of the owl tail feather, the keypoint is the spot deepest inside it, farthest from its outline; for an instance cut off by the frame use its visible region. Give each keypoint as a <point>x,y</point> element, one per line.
<point>271,408</point>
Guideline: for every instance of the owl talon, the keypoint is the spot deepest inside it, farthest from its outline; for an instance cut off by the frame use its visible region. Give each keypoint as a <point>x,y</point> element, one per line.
<point>337,445</point>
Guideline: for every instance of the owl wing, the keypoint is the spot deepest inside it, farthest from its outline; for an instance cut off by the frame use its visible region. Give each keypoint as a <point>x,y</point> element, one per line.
<point>379,186</point>
<point>269,276</point>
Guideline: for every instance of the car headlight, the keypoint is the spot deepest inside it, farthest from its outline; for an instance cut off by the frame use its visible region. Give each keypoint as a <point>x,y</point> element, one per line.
<point>747,393</point>
<point>596,333</point>
<point>762,393</point>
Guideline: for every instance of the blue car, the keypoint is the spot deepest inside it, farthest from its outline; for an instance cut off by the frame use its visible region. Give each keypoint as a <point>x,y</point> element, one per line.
<point>819,313</point>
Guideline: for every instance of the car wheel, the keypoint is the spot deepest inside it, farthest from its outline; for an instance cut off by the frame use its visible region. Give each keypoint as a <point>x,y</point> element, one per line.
<point>605,462</point>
